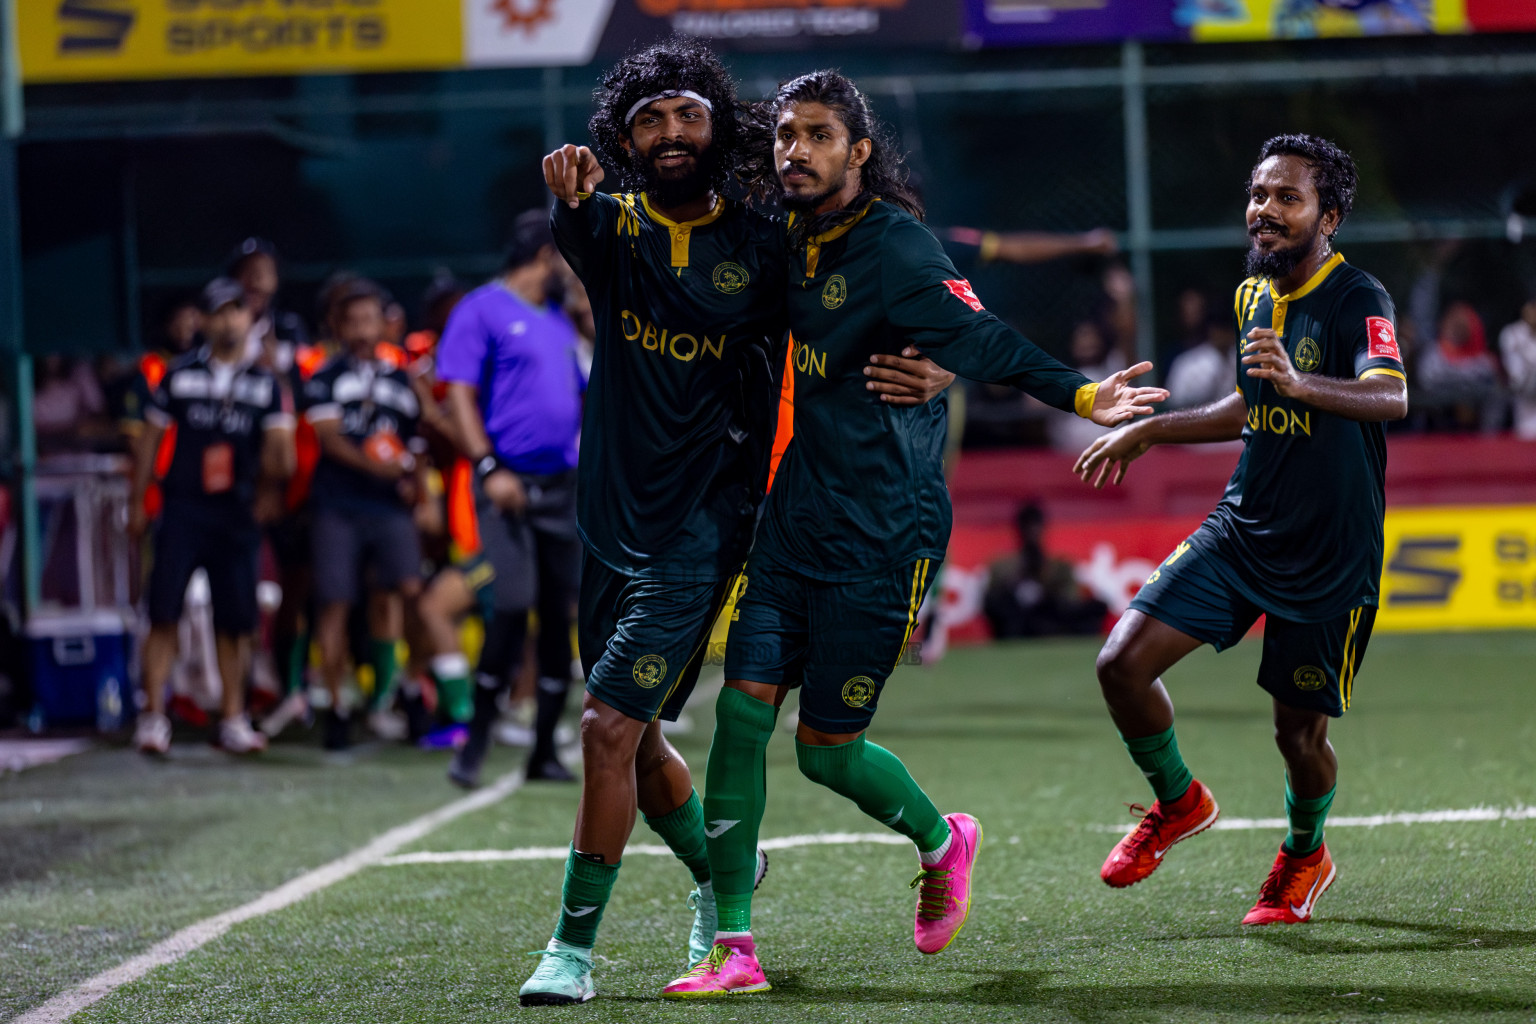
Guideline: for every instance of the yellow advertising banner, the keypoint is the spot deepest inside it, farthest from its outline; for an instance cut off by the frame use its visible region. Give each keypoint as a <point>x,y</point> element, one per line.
<point>1224,21</point>
<point>1459,568</point>
<point>84,40</point>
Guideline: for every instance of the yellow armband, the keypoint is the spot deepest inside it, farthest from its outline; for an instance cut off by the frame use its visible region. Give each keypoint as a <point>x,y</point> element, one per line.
<point>1083,403</point>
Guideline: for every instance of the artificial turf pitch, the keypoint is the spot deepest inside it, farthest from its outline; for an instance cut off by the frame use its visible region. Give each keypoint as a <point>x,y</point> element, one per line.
<point>105,853</point>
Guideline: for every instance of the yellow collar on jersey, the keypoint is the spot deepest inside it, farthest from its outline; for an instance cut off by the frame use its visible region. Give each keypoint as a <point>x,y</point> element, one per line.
<point>1333,263</point>
<point>815,242</point>
<point>681,231</point>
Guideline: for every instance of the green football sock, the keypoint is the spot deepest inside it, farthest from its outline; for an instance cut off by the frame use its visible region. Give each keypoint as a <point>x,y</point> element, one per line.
<point>298,661</point>
<point>683,832</point>
<point>876,780</point>
<point>736,791</point>
<point>583,899</point>
<point>454,695</point>
<point>385,667</point>
<point>1306,817</point>
<point>1158,758</point>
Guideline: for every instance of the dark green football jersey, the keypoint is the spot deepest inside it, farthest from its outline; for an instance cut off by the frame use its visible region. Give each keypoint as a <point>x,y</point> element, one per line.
<point>861,487</point>
<point>1301,521</point>
<point>680,409</point>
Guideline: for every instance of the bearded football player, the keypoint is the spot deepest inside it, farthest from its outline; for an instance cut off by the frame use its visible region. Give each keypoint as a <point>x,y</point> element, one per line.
<point>687,290</point>
<point>859,513</point>
<point>1297,536</point>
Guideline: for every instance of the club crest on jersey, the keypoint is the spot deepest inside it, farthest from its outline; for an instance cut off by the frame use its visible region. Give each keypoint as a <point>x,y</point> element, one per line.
<point>650,670</point>
<point>858,691</point>
<point>962,290</point>
<point>835,293</point>
<point>1309,677</point>
<point>731,278</point>
<point>1308,355</point>
<point>1383,339</point>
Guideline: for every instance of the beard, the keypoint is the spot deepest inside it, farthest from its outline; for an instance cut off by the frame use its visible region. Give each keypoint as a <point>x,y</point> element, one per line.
<point>674,187</point>
<point>1279,262</point>
<point>804,203</point>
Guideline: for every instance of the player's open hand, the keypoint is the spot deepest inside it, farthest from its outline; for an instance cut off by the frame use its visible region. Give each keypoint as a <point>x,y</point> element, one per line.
<point>1107,459</point>
<point>1266,359</point>
<point>1117,401</point>
<point>570,171</point>
<point>907,379</point>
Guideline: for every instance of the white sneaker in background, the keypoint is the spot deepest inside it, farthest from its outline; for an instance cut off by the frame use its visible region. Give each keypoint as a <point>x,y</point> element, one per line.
<point>292,708</point>
<point>237,737</point>
<point>387,725</point>
<point>153,733</point>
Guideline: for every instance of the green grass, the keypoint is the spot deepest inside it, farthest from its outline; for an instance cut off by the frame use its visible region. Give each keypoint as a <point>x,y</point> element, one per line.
<point>103,854</point>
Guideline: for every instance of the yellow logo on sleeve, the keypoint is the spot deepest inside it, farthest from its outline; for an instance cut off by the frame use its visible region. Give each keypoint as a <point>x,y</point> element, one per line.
<point>731,278</point>
<point>835,293</point>
<point>650,670</point>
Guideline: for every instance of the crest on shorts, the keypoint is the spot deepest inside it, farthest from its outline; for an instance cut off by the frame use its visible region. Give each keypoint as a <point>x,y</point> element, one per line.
<point>835,293</point>
<point>1308,355</point>
<point>1309,677</point>
<point>731,277</point>
<point>650,670</point>
<point>858,691</point>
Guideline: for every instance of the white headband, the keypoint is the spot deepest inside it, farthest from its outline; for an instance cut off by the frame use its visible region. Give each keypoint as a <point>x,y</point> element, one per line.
<point>669,94</point>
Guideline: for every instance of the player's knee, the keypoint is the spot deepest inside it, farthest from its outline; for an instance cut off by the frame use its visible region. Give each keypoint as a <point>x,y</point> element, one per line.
<point>609,739</point>
<point>1116,669</point>
<point>1301,739</point>
<point>821,767</point>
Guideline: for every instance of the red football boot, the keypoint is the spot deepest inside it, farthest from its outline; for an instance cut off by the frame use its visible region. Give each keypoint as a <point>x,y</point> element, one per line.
<point>1293,887</point>
<point>1138,854</point>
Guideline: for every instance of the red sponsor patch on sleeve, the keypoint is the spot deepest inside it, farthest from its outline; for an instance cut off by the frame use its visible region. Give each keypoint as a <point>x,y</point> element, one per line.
<point>1382,339</point>
<point>962,291</point>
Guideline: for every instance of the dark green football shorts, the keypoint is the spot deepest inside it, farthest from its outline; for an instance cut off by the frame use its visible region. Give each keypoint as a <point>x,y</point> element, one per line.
<point>643,641</point>
<point>837,641</point>
<point>1307,665</point>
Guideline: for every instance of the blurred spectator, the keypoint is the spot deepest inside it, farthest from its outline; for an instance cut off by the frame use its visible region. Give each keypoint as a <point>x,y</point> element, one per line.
<point>1205,369</point>
<point>68,407</point>
<point>275,333</point>
<point>1458,377</point>
<point>367,484</point>
<point>1032,594</point>
<point>233,427</point>
<point>1091,355</point>
<point>1517,344</point>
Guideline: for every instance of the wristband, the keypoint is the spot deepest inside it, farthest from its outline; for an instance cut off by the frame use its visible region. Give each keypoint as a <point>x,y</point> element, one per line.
<point>488,464</point>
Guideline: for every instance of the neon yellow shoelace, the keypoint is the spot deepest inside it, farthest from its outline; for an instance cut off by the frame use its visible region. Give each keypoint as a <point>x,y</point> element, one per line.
<point>933,898</point>
<point>718,955</point>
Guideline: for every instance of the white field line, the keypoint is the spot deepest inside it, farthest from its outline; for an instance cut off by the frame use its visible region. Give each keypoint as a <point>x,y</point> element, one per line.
<point>636,850</point>
<point>1365,821</point>
<point>61,1007</point>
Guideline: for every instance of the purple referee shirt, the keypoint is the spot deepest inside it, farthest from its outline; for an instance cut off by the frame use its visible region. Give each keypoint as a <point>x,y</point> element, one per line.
<point>523,360</point>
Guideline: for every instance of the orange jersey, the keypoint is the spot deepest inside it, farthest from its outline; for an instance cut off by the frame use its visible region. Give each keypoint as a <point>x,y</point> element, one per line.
<point>463,527</point>
<point>307,360</point>
<point>785,431</point>
<point>153,366</point>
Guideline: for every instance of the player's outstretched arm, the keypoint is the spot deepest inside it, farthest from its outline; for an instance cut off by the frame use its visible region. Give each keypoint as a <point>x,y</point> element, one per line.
<point>1371,400</point>
<point>907,379</point>
<point>1107,459</point>
<point>1116,400</point>
<point>570,172</point>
